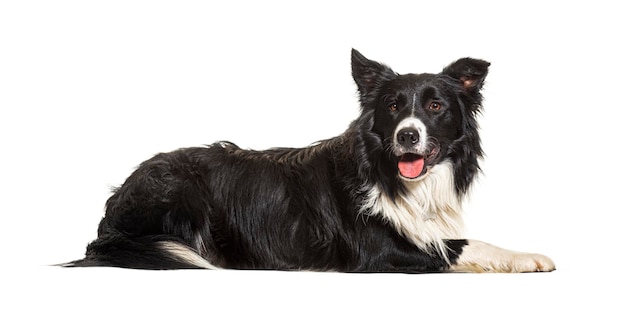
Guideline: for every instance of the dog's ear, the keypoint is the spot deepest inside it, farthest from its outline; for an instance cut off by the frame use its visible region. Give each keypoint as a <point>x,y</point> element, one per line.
<point>368,74</point>
<point>469,71</point>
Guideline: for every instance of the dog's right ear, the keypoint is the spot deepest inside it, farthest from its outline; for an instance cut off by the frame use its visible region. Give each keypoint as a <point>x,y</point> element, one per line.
<point>368,74</point>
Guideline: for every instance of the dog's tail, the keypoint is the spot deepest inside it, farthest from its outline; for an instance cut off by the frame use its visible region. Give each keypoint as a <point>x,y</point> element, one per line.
<point>140,253</point>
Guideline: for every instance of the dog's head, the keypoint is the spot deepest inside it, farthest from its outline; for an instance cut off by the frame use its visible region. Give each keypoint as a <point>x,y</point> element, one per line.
<point>421,120</point>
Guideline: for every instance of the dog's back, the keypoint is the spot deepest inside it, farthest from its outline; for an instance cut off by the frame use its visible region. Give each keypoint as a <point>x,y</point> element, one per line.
<point>224,204</point>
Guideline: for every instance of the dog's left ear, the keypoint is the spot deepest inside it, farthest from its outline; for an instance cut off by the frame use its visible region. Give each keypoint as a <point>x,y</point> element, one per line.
<point>469,71</point>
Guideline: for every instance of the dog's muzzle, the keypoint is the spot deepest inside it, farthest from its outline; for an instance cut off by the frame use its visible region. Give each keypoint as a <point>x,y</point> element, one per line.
<point>413,152</point>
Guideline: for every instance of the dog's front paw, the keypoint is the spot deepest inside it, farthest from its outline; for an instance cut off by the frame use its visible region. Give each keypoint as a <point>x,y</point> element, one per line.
<point>526,262</point>
<point>482,257</point>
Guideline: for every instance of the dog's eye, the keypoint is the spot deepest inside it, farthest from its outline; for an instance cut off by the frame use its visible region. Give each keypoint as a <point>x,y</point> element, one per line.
<point>393,107</point>
<point>434,106</point>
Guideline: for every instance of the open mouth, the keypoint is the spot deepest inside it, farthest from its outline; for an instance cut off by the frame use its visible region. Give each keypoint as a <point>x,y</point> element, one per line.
<point>413,166</point>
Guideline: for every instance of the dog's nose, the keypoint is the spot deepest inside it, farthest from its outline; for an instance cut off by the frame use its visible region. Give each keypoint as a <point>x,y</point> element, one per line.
<point>408,137</point>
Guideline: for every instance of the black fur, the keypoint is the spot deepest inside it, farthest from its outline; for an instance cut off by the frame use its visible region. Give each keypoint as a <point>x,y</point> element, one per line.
<point>293,209</point>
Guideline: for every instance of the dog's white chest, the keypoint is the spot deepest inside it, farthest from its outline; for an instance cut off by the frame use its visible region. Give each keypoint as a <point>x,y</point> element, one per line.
<point>427,214</point>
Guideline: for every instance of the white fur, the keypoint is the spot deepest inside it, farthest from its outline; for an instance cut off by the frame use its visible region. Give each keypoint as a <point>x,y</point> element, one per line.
<point>428,214</point>
<point>478,256</point>
<point>414,123</point>
<point>185,254</point>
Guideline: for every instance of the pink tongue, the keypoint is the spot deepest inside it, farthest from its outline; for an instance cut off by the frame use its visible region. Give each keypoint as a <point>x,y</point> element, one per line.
<point>411,166</point>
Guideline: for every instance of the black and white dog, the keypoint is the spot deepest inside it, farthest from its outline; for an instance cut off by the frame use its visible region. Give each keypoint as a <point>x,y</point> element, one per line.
<point>384,196</point>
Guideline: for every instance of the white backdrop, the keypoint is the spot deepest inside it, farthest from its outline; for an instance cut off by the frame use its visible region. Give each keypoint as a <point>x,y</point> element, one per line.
<point>88,90</point>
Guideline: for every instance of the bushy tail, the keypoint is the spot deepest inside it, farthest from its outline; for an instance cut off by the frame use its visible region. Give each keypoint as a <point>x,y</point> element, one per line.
<point>140,253</point>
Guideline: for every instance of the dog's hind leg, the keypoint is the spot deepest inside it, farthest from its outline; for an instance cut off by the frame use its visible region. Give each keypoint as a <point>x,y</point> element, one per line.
<point>479,256</point>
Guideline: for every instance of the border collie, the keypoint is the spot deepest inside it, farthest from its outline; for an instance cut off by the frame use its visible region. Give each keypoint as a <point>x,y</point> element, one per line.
<point>384,196</point>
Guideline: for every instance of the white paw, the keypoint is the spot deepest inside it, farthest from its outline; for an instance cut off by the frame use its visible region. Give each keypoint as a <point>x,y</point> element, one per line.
<point>523,262</point>
<point>482,257</point>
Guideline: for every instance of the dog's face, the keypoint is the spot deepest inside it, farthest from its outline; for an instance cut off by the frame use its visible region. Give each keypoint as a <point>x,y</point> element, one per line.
<point>418,117</point>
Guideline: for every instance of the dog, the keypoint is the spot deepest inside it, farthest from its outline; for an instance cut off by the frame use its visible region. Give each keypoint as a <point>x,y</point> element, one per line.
<point>384,196</point>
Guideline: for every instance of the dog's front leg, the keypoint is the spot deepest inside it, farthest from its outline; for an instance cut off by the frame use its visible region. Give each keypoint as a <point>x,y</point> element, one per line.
<point>479,256</point>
